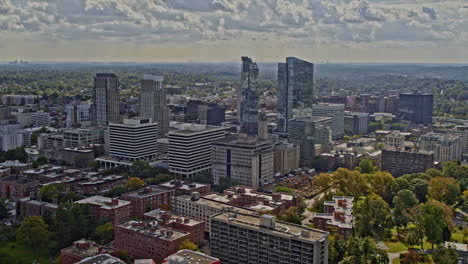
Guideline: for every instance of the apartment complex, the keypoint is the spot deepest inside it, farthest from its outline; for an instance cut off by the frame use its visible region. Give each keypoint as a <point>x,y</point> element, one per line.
<point>108,209</point>
<point>105,108</point>
<point>295,88</point>
<point>242,238</point>
<point>338,213</point>
<point>190,148</point>
<point>356,123</point>
<point>27,207</point>
<point>446,147</point>
<point>153,102</point>
<point>400,162</point>
<point>336,112</point>
<point>81,250</point>
<point>395,139</point>
<point>147,199</point>
<point>243,159</point>
<point>133,139</point>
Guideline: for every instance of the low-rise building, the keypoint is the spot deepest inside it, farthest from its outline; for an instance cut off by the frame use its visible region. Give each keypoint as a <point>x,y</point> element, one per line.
<point>101,259</point>
<point>106,209</point>
<point>184,187</point>
<point>99,184</point>
<point>16,187</point>
<point>338,213</point>
<point>27,207</point>
<point>243,238</point>
<point>190,257</point>
<point>148,199</point>
<point>83,249</point>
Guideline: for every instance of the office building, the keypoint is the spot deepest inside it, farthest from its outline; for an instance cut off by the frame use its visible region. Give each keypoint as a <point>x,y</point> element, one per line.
<point>338,213</point>
<point>186,256</point>
<point>295,89</point>
<point>133,139</point>
<point>83,137</point>
<point>309,132</point>
<point>78,115</point>
<point>446,147</point>
<point>400,162</point>
<point>105,106</point>
<point>243,159</point>
<point>248,97</point>
<point>147,199</point>
<point>416,107</point>
<point>286,158</point>
<point>153,102</point>
<point>211,114</point>
<point>32,119</point>
<point>12,99</point>
<point>336,112</point>
<point>190,148</point>
<point>242,238</point>
<point>356,123</point>
<point>108,209</point>
<point>462,131</point>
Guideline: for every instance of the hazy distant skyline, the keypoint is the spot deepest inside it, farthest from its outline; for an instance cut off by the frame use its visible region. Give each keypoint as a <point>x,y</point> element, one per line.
<point>433,31</point>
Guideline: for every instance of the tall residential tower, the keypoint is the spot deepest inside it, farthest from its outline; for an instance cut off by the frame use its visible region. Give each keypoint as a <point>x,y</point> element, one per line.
<point>153,102</point>
<point>106,99</point>
<point>295,88</point>
<point>248,97</point>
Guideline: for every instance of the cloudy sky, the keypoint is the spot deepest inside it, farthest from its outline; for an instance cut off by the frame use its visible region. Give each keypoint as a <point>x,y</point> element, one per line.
<point>223,30</point>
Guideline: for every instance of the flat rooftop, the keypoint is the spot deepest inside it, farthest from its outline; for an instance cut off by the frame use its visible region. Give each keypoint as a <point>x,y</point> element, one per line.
<point>191,257</point>
<point>101,259</point>
<point>103,202</point>
<point>146,192</point>
<point>153,229</point>
<point>283,229</point>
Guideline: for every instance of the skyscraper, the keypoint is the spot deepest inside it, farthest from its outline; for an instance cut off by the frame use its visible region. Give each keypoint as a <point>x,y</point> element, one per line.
<point>335,111</point>
<point>106,99</point>
<point>248,97</point>
<point>295,88</point>
<point>153,102</point>
<point>416,107</point>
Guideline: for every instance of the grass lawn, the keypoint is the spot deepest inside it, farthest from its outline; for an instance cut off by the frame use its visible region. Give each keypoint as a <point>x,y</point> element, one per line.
<point>395,245</point>
<point>22,254</point>
<point>458,236</point>
<point>396,261</point>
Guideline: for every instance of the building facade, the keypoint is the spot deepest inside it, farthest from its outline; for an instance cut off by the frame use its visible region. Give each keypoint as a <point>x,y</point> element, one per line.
<point>295,88</point>
<point>106,209</point>
<point>338,213</point>
<point>286,158</point>
<point>148,199</point>
<point>105,106</point>
<point>356,123</point>
<point>336,112</point>
<point>416,107</point>
<point>238,238</point>
<point>242,159</point>
<point>190,148</point>
<point>153,102</point>
<point>400,162</point>
<point>248,97</point>
<point>446,147</point>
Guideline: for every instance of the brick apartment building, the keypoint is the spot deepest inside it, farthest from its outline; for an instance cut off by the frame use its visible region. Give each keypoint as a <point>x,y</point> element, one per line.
<point>83,249</point>
<point>148,240</point>
<point>195,228</point>
<point>148,198</point>
<point>184,187</point>
<point>99,185</point>
<point>400,162</point>
<point>27,207</point>
<point>108,209</point>
<point>16,187</point>
<point>337,213</point>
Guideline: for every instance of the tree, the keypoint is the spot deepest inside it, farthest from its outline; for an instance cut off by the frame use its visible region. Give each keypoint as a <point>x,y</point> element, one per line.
<point>344,181</point>
<point>433,172</point>
<point>434,223</point>
<point>291,216</point>
<point>445,255</point>
<point>52,192</point>
<point>404,200</point>
<point>4,213</point>
<point>382,183</point>
<point>116,191</point>
<point>202,177</point>
<point>336,248</point>
<point>444,189</point>
<point>39,162</point>
<point>420,188</point>
<point>105,233</point>
<point>75,222</point>
<point>366,166</point>
<point>449,168</point>
<point>134,183</point>
<point>400,184</point>
<point>33,232</point>
<point>283,189</point>
<point>364,251</point>
<point>187,244</point>
<point>225,183</point>
<point>373,217</point>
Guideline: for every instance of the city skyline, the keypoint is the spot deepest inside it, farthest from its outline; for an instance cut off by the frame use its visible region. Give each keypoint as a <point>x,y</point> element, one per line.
<point>182,31</point>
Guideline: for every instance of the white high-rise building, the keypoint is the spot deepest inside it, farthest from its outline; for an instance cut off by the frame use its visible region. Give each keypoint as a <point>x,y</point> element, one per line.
<point>335,111</point>
<point>133,139</point>
<point>153,102</point>
<point>190,148</point>
<point>243,159</point>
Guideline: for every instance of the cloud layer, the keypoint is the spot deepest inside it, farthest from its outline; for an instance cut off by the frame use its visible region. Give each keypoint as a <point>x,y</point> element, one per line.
<point>299,23</point>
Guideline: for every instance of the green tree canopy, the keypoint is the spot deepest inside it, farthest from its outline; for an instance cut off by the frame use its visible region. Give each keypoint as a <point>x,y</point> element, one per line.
<point>33,232</point>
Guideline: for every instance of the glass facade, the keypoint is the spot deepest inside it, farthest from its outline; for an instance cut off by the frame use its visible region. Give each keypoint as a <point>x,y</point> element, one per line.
<point>249,97</point>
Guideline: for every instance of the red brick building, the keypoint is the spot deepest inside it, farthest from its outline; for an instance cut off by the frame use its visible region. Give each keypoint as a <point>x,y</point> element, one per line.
<point>148,198</point>
<point>27,207</point>
<point>184,187</point>
<point>83,249</point>
<point>16,187</point>
<point>108,209</point>
<point>195,228</point>
<point>337,213</point>
<point>148,240</point>
<point>99,185</point>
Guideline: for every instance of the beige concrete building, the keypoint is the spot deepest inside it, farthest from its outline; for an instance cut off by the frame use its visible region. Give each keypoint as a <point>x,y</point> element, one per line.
<point>446,147</point>
<point>395,139</point>
<point>241,238</point>
<point>286,158</point>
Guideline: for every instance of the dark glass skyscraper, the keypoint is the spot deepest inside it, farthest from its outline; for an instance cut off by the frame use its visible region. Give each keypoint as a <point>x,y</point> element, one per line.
<point>105,106</point>
<point>248,97</point>
<point>416,107</point>
<point>295,88</point>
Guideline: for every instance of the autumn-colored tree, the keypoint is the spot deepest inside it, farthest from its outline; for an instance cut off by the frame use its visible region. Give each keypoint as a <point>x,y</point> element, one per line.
<point>105,233</point>
<point>344,181</point>
<point>444,189</point>
<point>134,183</point>
<point>382,183</point>
<point>187,244</point>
